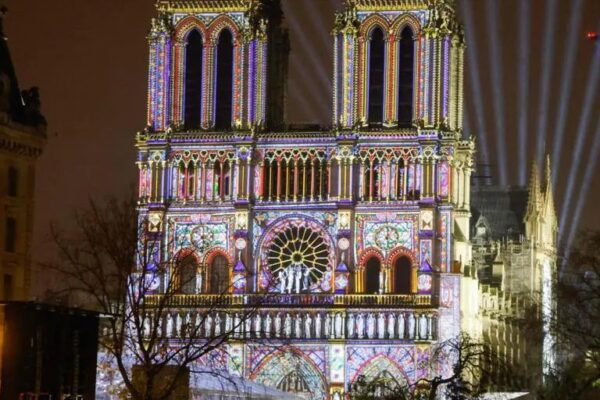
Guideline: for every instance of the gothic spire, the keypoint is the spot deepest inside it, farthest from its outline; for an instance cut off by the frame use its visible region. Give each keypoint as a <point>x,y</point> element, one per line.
<point>549,211</point>
<point>534,200</point>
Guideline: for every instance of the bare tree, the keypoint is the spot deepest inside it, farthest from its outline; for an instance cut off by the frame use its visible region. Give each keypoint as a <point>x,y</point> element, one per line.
<point>467,379</point>
<point>113,260</point>
<point>577,323</point>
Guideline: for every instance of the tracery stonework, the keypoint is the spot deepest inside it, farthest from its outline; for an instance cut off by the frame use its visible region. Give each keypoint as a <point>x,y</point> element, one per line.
<point>314,218</point>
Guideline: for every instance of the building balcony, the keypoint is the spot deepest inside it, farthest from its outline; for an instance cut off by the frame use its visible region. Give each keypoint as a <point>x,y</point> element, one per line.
<point>295,324</point>
<point>292,300</point>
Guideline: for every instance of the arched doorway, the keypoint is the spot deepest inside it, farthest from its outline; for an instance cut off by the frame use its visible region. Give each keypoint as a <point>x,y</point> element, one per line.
<point>402,275</point>
<point>219,275</point>
<point>372,270</point>
<point>290,371</point>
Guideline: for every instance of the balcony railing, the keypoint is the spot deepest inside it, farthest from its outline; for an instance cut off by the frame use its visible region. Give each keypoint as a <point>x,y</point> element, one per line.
<point>298,324</point>
<point>306,300</point>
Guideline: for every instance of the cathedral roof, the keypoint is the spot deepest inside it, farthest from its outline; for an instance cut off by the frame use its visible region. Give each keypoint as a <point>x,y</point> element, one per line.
<point>501,207</point>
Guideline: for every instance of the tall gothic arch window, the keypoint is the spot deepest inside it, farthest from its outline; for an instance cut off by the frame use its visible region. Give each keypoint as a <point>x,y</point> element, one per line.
<point>406,78</point>
<point>219,275</point>
<point>186,269</point>
<point>376,77</point>
<point>193,80</point>
<point>224,90</point>
<point>372,270</point>
<point>402,275</point>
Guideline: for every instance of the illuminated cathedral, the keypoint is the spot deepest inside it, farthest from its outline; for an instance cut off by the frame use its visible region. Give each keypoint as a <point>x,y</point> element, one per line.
<point>353,239</point>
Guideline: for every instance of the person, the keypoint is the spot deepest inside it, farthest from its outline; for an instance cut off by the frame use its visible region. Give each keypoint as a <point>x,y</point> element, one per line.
<point>350,326</point>
<point>297,277</point>
<point>370,326</point>
<point>290,278</point>
<point>360,324</point>
<point>318,326</point>
<point>277,325</point>
<point>338,326</point>
<point>305,274</point>
<point>307,326</point>
<point>391,325</point>
<point>287,325</point>
<point>282,276</point>
<point>268,325</point>
<point>217,325</point>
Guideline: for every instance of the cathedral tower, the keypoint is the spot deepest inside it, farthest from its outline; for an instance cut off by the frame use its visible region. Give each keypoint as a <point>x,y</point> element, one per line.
<point>358,234</point>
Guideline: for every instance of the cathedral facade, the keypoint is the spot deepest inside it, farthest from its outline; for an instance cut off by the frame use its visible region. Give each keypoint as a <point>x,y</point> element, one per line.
<point>353,239</point>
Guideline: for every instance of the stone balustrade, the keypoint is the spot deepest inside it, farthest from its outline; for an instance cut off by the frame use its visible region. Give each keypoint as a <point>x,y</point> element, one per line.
<point>304,324</point>
<point>283,300</point>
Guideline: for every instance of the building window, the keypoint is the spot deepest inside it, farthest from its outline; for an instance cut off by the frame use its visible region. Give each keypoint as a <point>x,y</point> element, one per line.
<point>224,90</point>
<point>193,80</point>
<point>376,71</point>
<point>10,240</point>
<point>8,287</point>
<point>186,269</point>
<point>219,275</point>
<point>405,84</point>
<point>13,182</point>
<point>402,275</point>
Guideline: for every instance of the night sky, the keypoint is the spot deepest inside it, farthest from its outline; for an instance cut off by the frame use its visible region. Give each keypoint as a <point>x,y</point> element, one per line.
<point>89,58</point>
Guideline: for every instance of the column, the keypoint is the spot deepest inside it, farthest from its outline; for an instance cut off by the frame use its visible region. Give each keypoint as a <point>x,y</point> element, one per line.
<point>234,191</point>
<point>371,177</point>
<point>295,163</point>
<point>278,188</point>
<point>340,177</point>
<point>467,187</point>
<point>328,169</point>
<point>361,189</point>
<point>393,180</point>
<point>313,195</point>
<point>454,183</point>
<point>350,179</point>
<point>247,175</point>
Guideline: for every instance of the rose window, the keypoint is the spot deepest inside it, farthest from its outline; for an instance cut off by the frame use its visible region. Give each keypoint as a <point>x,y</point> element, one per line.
<point>298,259</point>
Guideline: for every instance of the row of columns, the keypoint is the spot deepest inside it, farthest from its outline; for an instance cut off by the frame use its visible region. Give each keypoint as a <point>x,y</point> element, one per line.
<point>406,325</point>
<point>294,180</point>
<point>298,180</point>
<point>198,181</point>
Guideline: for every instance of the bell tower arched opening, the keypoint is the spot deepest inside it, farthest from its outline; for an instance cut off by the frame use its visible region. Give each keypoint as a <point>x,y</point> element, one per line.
<point>193,80</point>
<point>224,90</point>
<point>376,76</point>
<point>406,78</point>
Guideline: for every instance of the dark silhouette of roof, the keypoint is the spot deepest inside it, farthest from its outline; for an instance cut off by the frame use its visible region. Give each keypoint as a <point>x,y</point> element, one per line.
<point>21,106</point>
<point>502,209</point>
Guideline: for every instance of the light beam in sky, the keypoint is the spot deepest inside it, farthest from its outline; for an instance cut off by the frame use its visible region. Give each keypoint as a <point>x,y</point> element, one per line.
<point>546,70</point>
<point>582,129</point>
<point>523,93</point>
<point>571,49</point>
<point>475,80</point>
<point>497,84</point>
